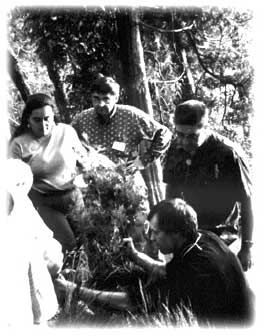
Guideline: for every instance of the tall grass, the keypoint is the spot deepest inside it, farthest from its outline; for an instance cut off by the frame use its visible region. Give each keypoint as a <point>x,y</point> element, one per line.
<point>150,313</point>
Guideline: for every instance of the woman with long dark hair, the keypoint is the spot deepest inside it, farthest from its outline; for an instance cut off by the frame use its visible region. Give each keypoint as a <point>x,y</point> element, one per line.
<point>53,151</point>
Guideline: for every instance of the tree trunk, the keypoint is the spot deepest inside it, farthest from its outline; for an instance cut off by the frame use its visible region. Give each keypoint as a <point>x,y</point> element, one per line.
<point>188,87</point>
<point>60,98</point>
<point>17,76</point>
<point>136,86</point>
<point>134,78</point>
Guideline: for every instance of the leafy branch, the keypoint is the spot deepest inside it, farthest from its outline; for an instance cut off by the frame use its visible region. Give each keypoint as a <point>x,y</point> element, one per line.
<point>181,30</point>
<point>221,78</point>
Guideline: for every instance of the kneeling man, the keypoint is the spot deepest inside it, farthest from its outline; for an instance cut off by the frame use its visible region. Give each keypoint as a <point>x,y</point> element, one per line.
<point>203,275</point>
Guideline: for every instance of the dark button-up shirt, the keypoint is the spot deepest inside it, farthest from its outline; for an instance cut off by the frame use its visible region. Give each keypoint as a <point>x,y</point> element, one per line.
<point>208,278</point>
<point>211,181</point>
<point>204,281</point>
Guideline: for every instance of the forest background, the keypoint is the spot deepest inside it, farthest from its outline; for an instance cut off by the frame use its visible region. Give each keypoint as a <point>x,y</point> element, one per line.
<point>160,56</point>
<point>187,51</point>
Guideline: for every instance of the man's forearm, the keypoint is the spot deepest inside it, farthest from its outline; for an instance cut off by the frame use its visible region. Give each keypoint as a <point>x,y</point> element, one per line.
<point>117,300</point>
<point>246,224</point>
<point>148,263</point>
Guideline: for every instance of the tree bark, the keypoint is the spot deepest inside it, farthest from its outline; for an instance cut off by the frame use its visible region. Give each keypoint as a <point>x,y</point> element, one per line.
<point>134,78</point>
<point>188,86</point>
<point>137,91</point>
<point>60,98</point>
<point>16,75</point>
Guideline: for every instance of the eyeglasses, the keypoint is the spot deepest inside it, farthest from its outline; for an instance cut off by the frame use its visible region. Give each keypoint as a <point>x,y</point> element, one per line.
<point>148,229</point>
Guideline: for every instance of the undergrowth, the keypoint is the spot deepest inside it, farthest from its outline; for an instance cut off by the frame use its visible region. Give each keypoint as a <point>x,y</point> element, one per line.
<point>116,207</point>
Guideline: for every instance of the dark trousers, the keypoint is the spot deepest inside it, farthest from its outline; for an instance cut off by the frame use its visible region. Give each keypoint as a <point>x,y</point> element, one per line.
<point>61,211</point>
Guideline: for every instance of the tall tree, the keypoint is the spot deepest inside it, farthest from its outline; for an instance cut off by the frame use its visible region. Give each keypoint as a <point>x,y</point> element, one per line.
<point>188,86</point>
<point>202,49</point>
<point>16,75</point>
<point>46,55</point>
<point>131,56</point>
<point>137,90</point>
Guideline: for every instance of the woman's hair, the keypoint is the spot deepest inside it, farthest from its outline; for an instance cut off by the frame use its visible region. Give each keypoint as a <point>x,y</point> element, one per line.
<point>34,101</point>
<point>105,85</point>
<point>176,215</point>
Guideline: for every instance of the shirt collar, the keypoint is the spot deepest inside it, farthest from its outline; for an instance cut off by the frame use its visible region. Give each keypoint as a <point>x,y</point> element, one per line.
<point>113,112</point>
<point>107,120</point>
<point>187,248</point>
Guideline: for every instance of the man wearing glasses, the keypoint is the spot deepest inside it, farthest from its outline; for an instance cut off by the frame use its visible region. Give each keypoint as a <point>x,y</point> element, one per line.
<point>209,172</point>
<point>204,276</point>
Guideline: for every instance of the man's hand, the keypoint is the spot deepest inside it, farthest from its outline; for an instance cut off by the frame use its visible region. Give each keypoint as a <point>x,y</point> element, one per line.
<point>244,255</point>
<point>135,165</point>
<point>142,259</point>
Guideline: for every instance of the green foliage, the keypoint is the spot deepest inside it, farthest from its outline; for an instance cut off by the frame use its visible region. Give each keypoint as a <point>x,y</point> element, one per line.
<point>116,206</point>
<point>31,67</point>
<point>218,53</point>
<point>79,42</point>
<point>26,52</point>
<point>83,41</point>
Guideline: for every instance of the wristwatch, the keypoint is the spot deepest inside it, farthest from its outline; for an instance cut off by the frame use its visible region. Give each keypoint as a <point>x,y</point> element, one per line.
<point>247,243</point>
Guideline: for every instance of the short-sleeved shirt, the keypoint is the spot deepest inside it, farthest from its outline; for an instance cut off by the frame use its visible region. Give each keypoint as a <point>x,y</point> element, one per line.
<point>211,181</point>
<point>120,137</point>
<point>52,159</point>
